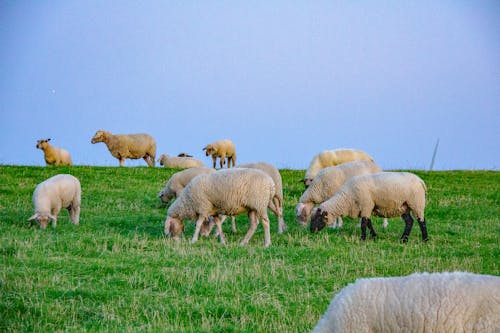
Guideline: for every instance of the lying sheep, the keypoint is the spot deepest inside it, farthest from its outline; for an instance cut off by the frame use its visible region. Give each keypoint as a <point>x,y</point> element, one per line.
<point>178,181</point>
<point>54,155</point>
<point>133,146</point>
<point>386,194</point>
<point>179,161</point>
<point>333,157</point>
<point>420,302</point>
<point>222,149</point>
<point>225,192</point>
<point>327,182</point>
<point>53,194</point>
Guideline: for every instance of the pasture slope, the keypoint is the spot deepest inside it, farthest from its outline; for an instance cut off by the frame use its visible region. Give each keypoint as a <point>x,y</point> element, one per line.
<point>116,272</point>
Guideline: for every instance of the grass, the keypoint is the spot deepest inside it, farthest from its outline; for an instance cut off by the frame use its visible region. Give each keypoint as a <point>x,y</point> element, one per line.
<point>117,272</point>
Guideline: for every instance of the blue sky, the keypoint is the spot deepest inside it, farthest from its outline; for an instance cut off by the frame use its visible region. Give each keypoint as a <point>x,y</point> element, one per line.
<point>283,79</point>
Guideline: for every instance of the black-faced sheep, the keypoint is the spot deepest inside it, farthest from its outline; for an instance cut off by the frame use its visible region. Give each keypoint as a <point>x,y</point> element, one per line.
<point>133,146</point>
<point>179,161</point>
<point>222,149</point>
<point>53,155</point>
<point>329,158</point>
<point>421,302</point>
<point>53,194</point>
<point>385,194</point>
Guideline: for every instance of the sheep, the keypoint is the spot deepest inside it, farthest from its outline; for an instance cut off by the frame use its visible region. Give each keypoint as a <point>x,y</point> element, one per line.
<point>133,146</point>
<point>179,161</point>
<point>178,181</point>
<point>327,182</point>
<point>54,155</point>
<point>60,191</point>
<point>386,194</point>
<point>333,157</point>
<point>225,192</point>
<point>420,302</point>
<point>221,149</point>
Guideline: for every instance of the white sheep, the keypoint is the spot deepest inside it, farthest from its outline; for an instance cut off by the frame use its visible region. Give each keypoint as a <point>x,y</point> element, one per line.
<point>225,192</point>
<point>179,161</point>
<point>327,182</point>
<point>386,194</point>
<point>178,182</point>
<point>53,155</point>
<point>420,302</point>
<point>133,146</point>
<point>53,194</point>
<point>333,157</point>
<point>222,149</point>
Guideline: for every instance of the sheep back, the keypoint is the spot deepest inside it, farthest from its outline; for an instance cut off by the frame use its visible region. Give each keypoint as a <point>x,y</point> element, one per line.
<point>179,162</point>
<point>420,302</point>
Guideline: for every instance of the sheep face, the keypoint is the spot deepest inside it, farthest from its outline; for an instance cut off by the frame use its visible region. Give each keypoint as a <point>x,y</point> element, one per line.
<point>98,137</point>
<point>164,197</point>
<point>173,227</point>
<point>42,219</point>
<point>302,213</point>
<point>307,182</point>
<point>210,150</point>
<point>319,219</point>
<point>42,144</point>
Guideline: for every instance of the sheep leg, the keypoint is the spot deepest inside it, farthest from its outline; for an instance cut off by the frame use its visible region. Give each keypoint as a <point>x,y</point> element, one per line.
<point>218,223</point>
<point>267,232</point>
<point>363,228</point>
<point>423,229</point>
<point>233,224</point>
<point>253,226</point>
<point>122,161</point>
<point>214,160</point>
<point>409,224</point>
<point>222,161</point>
<point>372,231</point>
<point>199,222</point>
<point>74,214</point>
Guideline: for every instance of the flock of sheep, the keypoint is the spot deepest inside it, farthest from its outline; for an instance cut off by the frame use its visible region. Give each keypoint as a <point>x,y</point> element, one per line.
<point>342,182</point>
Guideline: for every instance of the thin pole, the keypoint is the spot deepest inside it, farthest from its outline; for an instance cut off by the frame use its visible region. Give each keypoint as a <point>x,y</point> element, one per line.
<point>434,155</point>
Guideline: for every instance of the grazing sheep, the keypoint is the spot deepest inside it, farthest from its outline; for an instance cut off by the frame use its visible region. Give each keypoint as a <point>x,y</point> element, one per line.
<point>420,302</point>
<point>53,194</point>
<point>222,149</point>
<point>133,146</point>
<point>178,181</point>
<point>333,157</point>
<point>179,161</point>
<point>54,155</point>
<point>225,192</point>
<point>327,182</point>
<point>386,194</point>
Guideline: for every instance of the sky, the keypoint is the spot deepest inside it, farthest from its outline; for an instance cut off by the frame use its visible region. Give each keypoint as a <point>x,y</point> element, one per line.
<point>284,80</point>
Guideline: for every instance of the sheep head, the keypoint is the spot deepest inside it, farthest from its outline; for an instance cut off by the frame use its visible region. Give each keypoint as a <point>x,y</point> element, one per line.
<point>302,213</point>
<point>319,219</point>
<point>210,150</point>
<point>307,182</point>
<point>99,136</point>
<point>42,144</point>
<point>43,219</point>
<point>173,226</point>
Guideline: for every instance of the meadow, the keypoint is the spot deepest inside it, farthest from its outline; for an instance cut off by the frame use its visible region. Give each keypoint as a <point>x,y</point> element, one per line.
<point>117,272</point>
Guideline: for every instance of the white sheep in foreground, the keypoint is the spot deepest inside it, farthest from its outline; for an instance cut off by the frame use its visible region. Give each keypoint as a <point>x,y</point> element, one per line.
<point>420,302</point>
<point>53,155</point>
<point>222,149</point>
<point>179,161</point>
<point>53,194</point>
<point>329,158</point>
<point>225,192</point>
<point>385,194</point>
<point>133,146</point>
<point>178,182</point>
<point>326,184</point>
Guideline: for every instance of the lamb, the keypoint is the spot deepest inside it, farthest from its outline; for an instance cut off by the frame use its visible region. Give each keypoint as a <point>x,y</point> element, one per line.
<point>222,149</point>
<point>225,192</point>
<point>133,146</point>
<point>386,194</point>
<point>60,191</point>
<point>54,155</point>
<point>333,157</point>
<point>420,302</point>
<point>179,161</point>
<point>327,182</point>
<point>178,182</point>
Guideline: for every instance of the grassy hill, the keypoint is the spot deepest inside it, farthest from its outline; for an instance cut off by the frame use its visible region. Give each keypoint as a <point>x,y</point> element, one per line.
<point>117,272</point>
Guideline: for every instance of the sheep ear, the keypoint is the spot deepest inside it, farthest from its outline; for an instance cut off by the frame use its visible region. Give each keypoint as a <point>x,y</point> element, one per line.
<point>204,148</point>
<point>48,139</point>
<point>34,217</point>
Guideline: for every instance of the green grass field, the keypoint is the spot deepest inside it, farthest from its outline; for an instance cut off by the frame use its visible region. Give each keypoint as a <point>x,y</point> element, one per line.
<point>117,272</point>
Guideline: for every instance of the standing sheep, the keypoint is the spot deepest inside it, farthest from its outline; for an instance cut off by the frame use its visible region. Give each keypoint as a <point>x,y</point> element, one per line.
<point>225,192</point>
<point>386,194</point>
<point>133,146</point>
<point>420,302</point>
<point>221,149</point>
<point>333,157</point>
<point>327,182</point>
<point>53,194</point>
<point>54,155</point>
<point>178,182</point>
<point>179,161</point>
